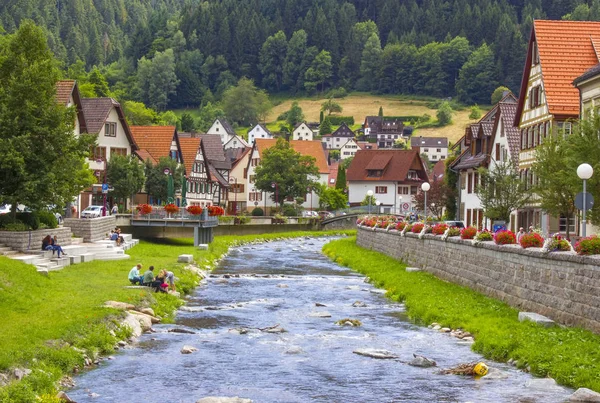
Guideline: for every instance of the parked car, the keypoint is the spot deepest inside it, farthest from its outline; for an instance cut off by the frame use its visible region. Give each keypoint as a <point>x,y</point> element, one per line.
<point>457,224</point>
<point>92,212</point>
<point>5,208</point>
<point>325,214</point>
<point>309,213</point>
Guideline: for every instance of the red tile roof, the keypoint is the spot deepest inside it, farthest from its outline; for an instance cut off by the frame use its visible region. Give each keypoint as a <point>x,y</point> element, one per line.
<point>312,148</point>
<point>156,140</point>
<point>96,111</point>
<point>144,155</point>
<point>64,89</point>
<point>189,150</point>
<point>566,50</point>
<point>399,163</point>
<point>333,173</point>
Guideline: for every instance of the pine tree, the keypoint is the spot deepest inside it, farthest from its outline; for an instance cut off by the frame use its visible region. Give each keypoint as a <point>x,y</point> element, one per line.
<point>340,182</point>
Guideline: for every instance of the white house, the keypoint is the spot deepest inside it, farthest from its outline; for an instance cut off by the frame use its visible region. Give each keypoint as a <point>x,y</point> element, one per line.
<point>223,129</point>
<point>265,199</point>
<point>436,148</point>
<point>302,132</point>
<point>235,141</point>
<point>349,149</point>
<point>394,177</point>
<point>338,138</point>
<point>238,182</point>
<point>258,132</point>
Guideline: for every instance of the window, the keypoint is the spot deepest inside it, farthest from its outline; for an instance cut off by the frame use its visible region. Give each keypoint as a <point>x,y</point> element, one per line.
<point>374,173</point>
<point>98,153</point>
<point>216,129</point>
<point>529,137</point>
<point>523,139</point>
<point>535,55</point>
<point>564,221</point>
<point>110,129</point>
<point>237,188</point>
<point>497,152</point>
<point>413,190</point>
<point>535,97</point>
<point>504,154</point>
<point>403,190</point>
<point>536,135</point>
<point>564,128</point>
<point>252,178</point>
<point>381,189</point>
<point>255,196</point>
<point>426,150</point>
<point>439,150</point>
<point>255,162</point>
<point>412,175</point>
<point>469,182</point>
<point>434,157</point>
<point>118,151</point>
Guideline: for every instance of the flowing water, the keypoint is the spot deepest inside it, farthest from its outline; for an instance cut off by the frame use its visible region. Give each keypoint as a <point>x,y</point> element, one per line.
<point>280,283</point>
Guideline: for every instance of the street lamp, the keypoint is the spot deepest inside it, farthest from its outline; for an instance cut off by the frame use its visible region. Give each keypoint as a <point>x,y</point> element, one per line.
<point>104,190</point>
<point>170,187</point>
<point>585,172</point>
<point>369,195</point>
<point>233,179</point>
<point>433,209</point>
<point>378,203</point>
<point>400,204</point>
<point>425,188</point>
<point>309,189</point>
<point>274,185</point>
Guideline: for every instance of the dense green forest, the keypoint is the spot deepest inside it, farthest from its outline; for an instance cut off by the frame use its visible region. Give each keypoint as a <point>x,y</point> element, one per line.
<point>185,53</point>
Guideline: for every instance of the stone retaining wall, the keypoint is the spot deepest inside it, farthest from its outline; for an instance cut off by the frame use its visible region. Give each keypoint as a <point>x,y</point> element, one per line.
<point>91,229</point>
<point>32,240</point>
<point>562,286</point>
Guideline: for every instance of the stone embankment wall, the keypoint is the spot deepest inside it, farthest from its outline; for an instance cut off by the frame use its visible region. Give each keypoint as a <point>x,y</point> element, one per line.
<point>91,229</point>
<point>32,240</point>
<point>562,286</point>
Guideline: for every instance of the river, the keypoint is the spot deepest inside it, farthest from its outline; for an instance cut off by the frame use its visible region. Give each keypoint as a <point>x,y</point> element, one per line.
<point>280,283</point>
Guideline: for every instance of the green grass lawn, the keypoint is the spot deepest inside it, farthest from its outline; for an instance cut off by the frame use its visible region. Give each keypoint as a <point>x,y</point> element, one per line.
<point>41,313</point>
<point>569,355</point>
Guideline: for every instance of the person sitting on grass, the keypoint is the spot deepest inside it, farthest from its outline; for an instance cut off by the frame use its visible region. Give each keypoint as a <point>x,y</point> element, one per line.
<point>134,275</point>
<point>148,278</point>
<point>171,279</point>
<point>160,282</point>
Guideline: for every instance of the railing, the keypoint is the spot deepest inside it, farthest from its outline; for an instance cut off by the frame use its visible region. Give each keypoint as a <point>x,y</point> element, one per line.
<point>181,217</point>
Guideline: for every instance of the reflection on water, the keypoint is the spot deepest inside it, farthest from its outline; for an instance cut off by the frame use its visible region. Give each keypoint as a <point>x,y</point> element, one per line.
<point>280,283</point>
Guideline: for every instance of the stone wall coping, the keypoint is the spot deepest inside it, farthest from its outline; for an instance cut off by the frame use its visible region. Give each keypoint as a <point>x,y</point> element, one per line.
<point>593,260</point>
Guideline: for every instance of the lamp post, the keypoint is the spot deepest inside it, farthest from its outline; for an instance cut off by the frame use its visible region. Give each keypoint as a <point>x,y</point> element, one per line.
<point>170,187</point>
<point>274,185</point>
<point>400,204</point>
<point>369,195</point>
<point>433,209</point>
<point>104,192</point>
<point>309,189</point>
<point>585,172</point>
<point>233,179</point>
<point>378,203</point>
<point>425,188</point>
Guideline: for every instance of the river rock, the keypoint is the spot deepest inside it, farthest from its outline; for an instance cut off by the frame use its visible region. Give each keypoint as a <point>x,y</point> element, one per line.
<point>319,304</point>
<point>547,384</point>
<point>20,373</point>
<point>294,350</point>
<point>359,304</point>
<point>134,324</point>
<point>378,291</point>
<point>147,311</point>
<point>275,330</point>
<point>188,349</point>
<point>585,395</point>
<point>123,306</point>
<point>3,380</point>
<point>320,314</point>
<point>283,286</point>
<point>495,373</point>
<point>352,287</point>
<point>145,320</point>
<point>213,399</point>
<point>153,319</point>
<point>177,330</point>
<point>239,330</point>
<point>375,353</point>
<point>176,294</point>
<point>421,361</point>
<point>64,397</point>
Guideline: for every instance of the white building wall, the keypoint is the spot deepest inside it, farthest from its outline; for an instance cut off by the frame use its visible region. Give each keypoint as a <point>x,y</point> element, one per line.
<point>258,132</point>
<point>302,132</point>
<point>119,141</point>
<point>217,128</point>
<point>391,201</point>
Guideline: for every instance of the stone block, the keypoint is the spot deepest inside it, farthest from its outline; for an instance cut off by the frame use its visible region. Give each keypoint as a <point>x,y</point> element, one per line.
<point>75,259</point>
<point>536,318</point>
<point>185,259</point>
<point>203,246</point>
<point>413,269</point>
<point>87,257</point>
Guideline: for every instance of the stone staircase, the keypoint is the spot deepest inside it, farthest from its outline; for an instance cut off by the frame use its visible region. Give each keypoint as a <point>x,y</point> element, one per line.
<point>77,252</point>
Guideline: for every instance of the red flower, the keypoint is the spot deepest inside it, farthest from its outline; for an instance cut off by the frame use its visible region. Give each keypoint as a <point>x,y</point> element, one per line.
<point>171,208</point>
<point>533,240</point>
<point>194,210</point>
<point>439,229</point>
<point>144,209</point>
<point>215,211</point>
<point>505,238</point>
<point>417,228</point>
<point>468,233</point>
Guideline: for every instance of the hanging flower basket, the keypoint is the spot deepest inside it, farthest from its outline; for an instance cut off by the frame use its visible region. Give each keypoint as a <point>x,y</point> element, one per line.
<point>171,208</point>
<point>144,209</point>
<point>194,210</point>
<point>214,211</point>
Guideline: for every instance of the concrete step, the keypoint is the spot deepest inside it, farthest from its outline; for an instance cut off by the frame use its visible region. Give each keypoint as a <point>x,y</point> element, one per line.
<point>75,249</point>
<point>4,248</point>
<point>28,259</point>
<point>114,257</point>
<point>63,261</point>
<point>76,241</point>
<point>87,257</point>
<point>74,259</point>
<point>9,253</point>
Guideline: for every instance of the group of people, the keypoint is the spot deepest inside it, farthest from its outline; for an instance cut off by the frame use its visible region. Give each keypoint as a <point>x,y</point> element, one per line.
<point>162,282</point>
<point>51,243</point>
<point>115,235</point>
<point>522,232</point>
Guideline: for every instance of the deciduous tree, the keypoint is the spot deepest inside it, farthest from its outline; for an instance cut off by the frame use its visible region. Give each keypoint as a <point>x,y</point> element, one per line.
<point>157,182</point>
<point>126,175</point>
<point>437,195</point>
<point>245,104</point>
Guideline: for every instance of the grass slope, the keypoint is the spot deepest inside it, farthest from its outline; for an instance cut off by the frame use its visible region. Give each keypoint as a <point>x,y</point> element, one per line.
<point>569,355</point>
<point>41,313</point>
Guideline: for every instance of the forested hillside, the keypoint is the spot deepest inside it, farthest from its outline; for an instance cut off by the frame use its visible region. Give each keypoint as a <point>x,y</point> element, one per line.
<point>176,53</point>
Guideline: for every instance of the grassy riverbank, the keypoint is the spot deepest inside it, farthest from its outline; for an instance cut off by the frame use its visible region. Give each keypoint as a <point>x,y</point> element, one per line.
<point>569,355</point>
<point>44,317</point>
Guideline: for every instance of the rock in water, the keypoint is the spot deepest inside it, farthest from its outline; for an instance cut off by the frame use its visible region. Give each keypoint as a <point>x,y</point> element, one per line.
<point>64,397</point>
<point>320,315</point>
<point>359,304</point>
<point>275,330</point>
<point>374,353</point>
<point>494,373</point>
<point>585,395</point>
<point>213,399</point>
<point>319,304</point>
<point>188,350</point>
<point>423,362</point>
<point>547,384</point>
<point>177,330</point>
<point>282,286</point>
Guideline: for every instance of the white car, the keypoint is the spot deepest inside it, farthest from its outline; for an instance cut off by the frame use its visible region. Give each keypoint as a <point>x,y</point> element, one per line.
<point>309,213</point>
<point>5,208</point>
<point>92,212</point>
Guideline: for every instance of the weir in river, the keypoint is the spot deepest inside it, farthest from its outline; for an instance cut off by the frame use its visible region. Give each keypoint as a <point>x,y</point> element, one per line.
<point>293,285</point>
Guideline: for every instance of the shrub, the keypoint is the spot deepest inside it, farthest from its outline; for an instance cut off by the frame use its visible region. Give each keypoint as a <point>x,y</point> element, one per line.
<point>16,226</point>
<point>468,233</point>
<point>439,229</point>
<point>484,236</point>
<point>194,210</point>
<point>6,219</point>
<point>505,238</point>
<point>408,227</point>
<point>558,244</point>
<point>289,210</point>
<point>144,209</point>
<point>171,208</point>
<point>417,228</point>
<point>532,240</point>
<point>339,92</point>
<point>31,220</point>
<point>257,212</point>
<point>338,120</point>
<point>588,246</point>
<point>48,219</point>
<point>400,225</point>
<point>454,231</point>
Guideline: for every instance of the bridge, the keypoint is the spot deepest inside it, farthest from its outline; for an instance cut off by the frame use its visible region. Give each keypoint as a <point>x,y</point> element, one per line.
<point>346,218</point>
<point>202,224</point>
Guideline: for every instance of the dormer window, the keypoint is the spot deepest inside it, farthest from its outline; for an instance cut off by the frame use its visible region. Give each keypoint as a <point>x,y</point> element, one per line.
<point>412,175</point>
<point>374,173</point>
<point>535,56</point>
<point>110,129</point>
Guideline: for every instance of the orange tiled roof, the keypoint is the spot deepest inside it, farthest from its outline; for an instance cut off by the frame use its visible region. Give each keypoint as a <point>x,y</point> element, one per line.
<point>189,150</point>
<point>64,89</point>
<point>144,155</point>
<point>566,50</point>
<point>312,148</point>
<point>156,140</point>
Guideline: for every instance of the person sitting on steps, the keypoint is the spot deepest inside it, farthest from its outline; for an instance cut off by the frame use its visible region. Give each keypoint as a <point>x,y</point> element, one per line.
<point>57,247</point>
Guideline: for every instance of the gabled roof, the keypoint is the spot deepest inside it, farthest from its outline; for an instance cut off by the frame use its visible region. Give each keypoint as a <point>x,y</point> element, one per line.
<point>485,129</point>
<point>228,128</point>
<point>365,145</point>
<point>239,156</point>
<point>590,73</point>
<point>333,173</point>
<point>399,162</point>
<point>213,151</point>
<point>189,150</point>
<point>379,162</point>
<point>506,118</point>
<point>312,148</point>
<point>96,112</point>
<point>429,142</point>
<point>262,127</point>
<point>566,50</point>
<point>235,137</point>
<point>156,140</point>
<point>65,89</point>
<point>343,131</point>
<point>144,155</point>
<point>300,124</point>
